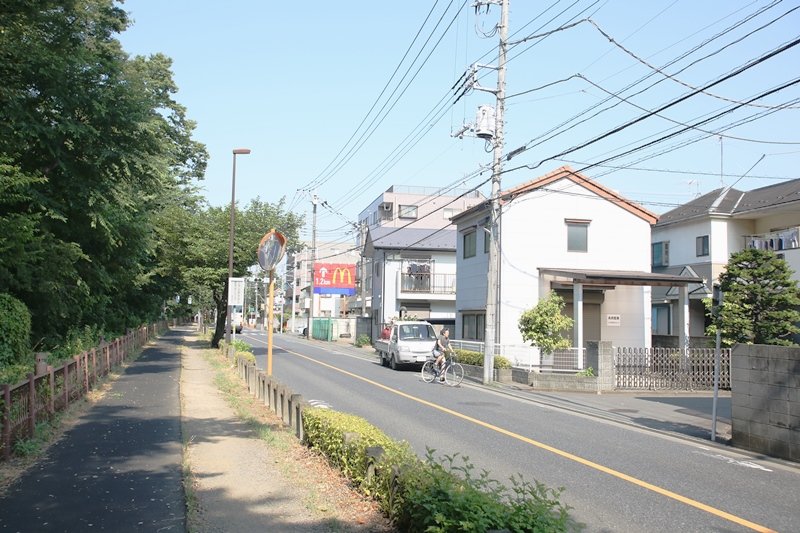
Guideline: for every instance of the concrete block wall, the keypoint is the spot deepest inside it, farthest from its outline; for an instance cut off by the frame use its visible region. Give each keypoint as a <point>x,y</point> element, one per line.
<point>765,400</point>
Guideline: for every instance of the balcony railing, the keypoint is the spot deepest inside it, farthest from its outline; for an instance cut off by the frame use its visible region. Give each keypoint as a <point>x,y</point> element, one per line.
<point>782,239</point>
<point>428,283</point>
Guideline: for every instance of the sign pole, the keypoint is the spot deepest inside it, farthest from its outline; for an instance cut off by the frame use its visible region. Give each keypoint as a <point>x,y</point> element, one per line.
<point>269,327</point>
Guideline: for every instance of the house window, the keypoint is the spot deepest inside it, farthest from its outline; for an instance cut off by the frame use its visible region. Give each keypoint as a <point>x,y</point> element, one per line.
<point>469,244</point>
<point>449,212</point>
<point>577,235</point>
<point>487,240</point>
<point>701,245</point>
<point>473,326</point>
<point>407,211</point>
<point>660,254</point>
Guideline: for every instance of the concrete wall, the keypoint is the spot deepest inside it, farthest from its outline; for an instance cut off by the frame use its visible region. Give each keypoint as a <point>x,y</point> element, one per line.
<point>765,397</point>
<point>601,353</point>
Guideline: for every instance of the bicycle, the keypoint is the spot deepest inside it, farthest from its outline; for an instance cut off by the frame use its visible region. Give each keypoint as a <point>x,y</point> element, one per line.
<point>453,371</point>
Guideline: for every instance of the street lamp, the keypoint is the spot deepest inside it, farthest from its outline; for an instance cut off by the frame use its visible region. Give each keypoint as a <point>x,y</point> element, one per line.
<point>236,151</point>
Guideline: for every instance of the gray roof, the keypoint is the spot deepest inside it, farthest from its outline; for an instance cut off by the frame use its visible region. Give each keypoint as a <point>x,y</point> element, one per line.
<point>412,238</point>
<point>622,277</point>
<point>733,202</point>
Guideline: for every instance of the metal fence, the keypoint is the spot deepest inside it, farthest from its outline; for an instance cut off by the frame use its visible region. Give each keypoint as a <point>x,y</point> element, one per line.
<point>670,369</point>
<point>50,390</point>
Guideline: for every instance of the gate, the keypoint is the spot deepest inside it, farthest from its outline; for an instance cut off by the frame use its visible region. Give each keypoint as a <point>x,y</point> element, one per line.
<point>670,369</point>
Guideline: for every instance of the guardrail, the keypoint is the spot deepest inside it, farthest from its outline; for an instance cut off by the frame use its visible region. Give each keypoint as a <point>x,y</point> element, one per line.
<point>49,390</point>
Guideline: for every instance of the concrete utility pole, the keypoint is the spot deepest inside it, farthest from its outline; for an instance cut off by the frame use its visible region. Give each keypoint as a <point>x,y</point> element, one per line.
<point>493,273</point>
<point>363,231</point>
<point>314,201</point>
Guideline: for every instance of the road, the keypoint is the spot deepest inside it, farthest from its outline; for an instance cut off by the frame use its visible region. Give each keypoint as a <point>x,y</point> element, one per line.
<point>616,477</point>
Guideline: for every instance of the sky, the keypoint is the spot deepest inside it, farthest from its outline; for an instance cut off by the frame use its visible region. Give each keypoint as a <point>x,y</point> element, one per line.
<point>661,102</point>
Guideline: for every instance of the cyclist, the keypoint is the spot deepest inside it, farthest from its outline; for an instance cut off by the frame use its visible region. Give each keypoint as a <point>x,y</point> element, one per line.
<point>442,347</point>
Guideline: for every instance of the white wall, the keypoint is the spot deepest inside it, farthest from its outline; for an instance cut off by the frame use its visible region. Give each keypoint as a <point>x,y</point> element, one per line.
<point>534,235</point>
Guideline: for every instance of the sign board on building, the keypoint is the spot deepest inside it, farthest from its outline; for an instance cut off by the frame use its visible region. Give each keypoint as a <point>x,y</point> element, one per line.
<point>235,291</point>
<point>613,320</point>
<point>334,278</point>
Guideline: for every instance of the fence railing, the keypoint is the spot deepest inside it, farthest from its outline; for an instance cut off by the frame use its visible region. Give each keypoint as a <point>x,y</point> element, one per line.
<point>50,390</point>
<point>427,283</point>
<point>670,369</point>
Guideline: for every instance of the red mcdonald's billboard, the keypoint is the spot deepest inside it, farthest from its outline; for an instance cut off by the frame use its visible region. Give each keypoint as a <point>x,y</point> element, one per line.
<point>334,278</point>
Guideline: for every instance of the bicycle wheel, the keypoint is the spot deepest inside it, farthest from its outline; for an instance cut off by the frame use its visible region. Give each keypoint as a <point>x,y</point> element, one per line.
<point>454,374</point>
<point>428,372</point>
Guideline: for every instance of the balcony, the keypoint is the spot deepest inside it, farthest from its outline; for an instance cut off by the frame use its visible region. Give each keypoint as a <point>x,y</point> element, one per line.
<point>427,284</point>
<point>778,240</point>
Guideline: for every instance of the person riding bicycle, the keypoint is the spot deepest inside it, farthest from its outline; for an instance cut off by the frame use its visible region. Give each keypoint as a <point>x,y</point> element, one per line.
<point>442,347</point>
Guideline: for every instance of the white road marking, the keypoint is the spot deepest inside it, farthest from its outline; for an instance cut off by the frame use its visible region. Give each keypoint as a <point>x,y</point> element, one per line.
<point>732,461</point>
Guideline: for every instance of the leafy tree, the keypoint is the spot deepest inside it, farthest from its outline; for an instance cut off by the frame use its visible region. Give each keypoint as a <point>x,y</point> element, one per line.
<point>205,261</point>
<point>93,149</point>
<point>543,324</point>
<point>760,300</point>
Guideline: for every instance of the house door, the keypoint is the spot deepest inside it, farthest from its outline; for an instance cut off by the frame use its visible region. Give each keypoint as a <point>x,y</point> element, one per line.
<point>591,321</point>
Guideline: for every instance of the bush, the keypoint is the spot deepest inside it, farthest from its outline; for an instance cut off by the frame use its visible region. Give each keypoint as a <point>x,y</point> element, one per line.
<point>15,331</point>
<point>344,438</point>
<point>432,495</point>
<point>469,357</point>
<point>363,340</point>
<point>446,495</point>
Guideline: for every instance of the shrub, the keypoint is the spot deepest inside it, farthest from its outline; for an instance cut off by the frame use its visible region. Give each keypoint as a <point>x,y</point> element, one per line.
<point>469,357</point>
<point>344,438</point>
<point>15,331</point>
<point>363,340</point>
<point>446,495</point>
<point>432,495</point>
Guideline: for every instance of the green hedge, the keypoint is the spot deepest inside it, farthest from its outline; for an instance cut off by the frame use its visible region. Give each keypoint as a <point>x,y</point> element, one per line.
<point>434,495</point>
<point>468,357</point>
<point>15,331</point>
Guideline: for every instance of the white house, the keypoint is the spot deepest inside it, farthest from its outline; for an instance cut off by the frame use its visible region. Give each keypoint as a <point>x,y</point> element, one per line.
<point>567,234</point>
<point>407,248</point>
<point>699,237</point>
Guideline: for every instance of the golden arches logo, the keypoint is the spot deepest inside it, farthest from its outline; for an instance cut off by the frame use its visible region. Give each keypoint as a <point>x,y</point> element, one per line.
<point>342,274</point>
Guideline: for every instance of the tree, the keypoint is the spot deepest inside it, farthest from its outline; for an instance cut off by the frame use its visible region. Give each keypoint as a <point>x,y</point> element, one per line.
<point>93,148</point>
<point>205,259</point>
<point>544,324</point>
<point>760,300</point>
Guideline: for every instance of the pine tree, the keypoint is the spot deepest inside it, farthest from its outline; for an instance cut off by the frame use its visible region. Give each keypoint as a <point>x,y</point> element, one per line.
<point>760,303</point>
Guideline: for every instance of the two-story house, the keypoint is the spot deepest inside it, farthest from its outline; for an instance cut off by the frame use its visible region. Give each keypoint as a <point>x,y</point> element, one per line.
<point>698,238</point>
<point>408,254</point>
<point>567,234</point>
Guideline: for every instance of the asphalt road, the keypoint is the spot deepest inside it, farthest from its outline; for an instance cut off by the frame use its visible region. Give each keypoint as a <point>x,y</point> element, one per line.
<point>616,477</point>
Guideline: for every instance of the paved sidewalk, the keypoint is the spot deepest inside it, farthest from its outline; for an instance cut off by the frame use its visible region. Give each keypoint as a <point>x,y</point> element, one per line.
<point>119,467</point>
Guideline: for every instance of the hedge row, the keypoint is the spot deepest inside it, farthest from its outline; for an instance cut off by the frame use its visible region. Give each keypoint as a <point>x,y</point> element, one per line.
<point>468,357</point>
<point>435,494</point>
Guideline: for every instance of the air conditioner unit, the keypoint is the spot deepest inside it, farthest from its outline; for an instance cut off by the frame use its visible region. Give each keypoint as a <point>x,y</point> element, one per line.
<point>386,206</point>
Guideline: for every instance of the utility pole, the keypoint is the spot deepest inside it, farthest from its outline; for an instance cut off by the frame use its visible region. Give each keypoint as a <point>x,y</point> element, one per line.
<point>314,201</point>
<point>363,233</point>
<point>493,271</point>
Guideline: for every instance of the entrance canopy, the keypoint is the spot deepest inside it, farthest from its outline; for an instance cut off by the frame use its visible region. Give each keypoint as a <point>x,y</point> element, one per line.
<point>608,279</point>
<point>621,277</point>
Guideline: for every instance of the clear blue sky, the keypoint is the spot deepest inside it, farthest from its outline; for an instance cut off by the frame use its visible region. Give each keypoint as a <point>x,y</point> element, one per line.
<point>293,81</point>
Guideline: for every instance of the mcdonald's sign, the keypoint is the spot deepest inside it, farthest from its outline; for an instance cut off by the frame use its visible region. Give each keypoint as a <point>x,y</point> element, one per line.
<point>334,278</point>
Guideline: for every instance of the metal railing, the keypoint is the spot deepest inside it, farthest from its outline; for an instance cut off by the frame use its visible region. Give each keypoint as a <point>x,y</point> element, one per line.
<point>50,390</point>
<point>670,369</point>
<point>428,283</point>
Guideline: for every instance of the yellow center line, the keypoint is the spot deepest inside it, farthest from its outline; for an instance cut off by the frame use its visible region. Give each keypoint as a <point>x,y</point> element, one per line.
<point>649,486</point>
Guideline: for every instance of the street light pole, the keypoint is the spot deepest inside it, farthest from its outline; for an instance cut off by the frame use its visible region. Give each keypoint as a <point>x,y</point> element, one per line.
<point>236,151</point>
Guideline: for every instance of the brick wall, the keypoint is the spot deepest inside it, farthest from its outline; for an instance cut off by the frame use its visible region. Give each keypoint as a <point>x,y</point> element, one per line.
<point>765,398</point>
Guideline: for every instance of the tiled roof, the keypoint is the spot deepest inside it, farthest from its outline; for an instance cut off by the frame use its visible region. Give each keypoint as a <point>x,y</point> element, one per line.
<point>413,238</point>
<point>733,202</point>
<point>566,172</point>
